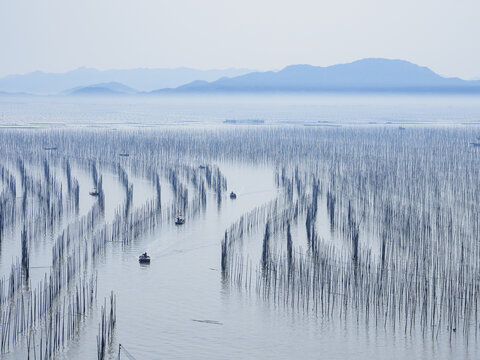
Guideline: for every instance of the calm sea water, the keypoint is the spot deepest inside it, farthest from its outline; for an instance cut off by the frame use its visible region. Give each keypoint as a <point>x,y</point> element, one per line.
<point>199,111</point>
<point>158,306</point>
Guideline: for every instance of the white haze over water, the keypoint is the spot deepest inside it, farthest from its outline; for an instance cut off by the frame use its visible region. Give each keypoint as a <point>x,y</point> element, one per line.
<point>304,110</point>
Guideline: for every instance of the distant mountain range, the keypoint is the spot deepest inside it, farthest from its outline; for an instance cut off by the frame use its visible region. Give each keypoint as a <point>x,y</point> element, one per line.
<point>373,75</point>
<point>111,88</point>
<point>367,75</point>
<point>140,79</point>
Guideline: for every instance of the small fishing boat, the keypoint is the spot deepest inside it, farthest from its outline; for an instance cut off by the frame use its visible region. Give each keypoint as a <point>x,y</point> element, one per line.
<point>233,195</point>
<point>180,220</point>
<point>94,192</point>
<point>124,154</point>
<point>144,259</point>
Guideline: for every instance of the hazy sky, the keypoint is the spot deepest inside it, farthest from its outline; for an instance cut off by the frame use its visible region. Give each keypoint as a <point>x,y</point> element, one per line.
<point>60,35</point>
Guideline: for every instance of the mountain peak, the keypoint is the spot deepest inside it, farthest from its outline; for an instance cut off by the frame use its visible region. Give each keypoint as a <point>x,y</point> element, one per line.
<point>143,79</point>
<point>109,88</point>
<point>371,74</point>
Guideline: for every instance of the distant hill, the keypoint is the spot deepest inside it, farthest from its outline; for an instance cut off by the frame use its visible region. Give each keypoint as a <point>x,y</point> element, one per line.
<point>362,75</point>
<point>13,94</point>
<point>367,75</point>
<point>140,79</point>
<point>111,88</point>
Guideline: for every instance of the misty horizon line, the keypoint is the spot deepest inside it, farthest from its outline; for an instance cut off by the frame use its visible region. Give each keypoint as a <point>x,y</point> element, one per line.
<point>239,68</point>
<point>364,75</point>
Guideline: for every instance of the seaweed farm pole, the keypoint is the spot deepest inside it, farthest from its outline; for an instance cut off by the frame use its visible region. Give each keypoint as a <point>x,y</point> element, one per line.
<point>266,246</point>
<point>120,348</point>
<point>106,327</point>
<point>289,246</point>
<point>25,257</point>
<point>224,253</point>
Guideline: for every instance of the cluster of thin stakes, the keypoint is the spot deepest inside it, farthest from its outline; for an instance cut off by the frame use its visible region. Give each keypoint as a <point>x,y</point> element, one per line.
<point>375,224</point>
<point>40,315</point>
<point>387,222</point>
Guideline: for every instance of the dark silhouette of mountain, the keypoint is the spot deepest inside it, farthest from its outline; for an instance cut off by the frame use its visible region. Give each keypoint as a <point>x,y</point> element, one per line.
<point>111,88</point>
<point>141,79</point>
<point>372,75</point>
